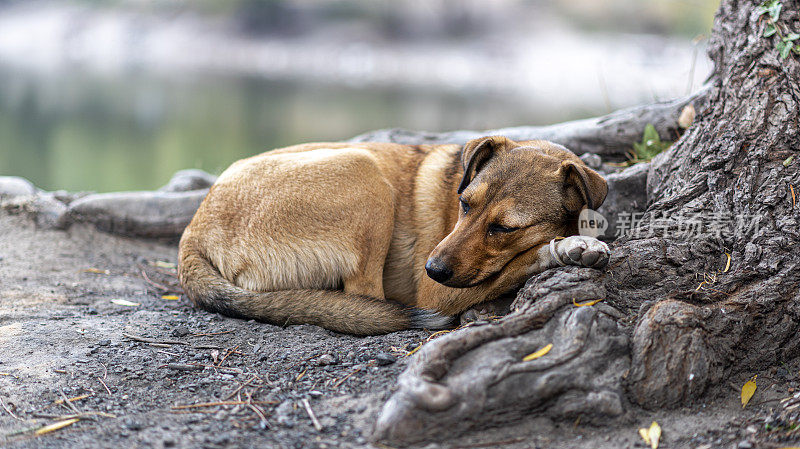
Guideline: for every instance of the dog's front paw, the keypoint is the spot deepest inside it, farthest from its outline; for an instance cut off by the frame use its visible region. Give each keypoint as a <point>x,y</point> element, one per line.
<point>583,251</point>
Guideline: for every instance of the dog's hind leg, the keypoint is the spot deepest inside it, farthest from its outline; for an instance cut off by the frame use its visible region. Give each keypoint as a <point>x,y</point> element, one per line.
<point>373,247</point>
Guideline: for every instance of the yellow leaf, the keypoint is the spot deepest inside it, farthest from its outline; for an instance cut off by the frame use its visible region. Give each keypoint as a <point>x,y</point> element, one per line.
<point>96,271</point>
<point>587,303</point>
<point>57,425</point>
<point>651,435</point>
<point>125,302</point>
<point>171,297</point>
<point>748,389</point>
<point>162,264</point>
<point>538,353</point>
<point>655,435</point>
<point>645,436</point>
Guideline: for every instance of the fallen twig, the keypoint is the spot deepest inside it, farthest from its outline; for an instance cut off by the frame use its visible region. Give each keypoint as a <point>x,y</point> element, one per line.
<point>208,334</point>
<point>339,382</point>
<point>152,340</point>
<point>105,386</point>
<point>165,343</point>
<point>56,426</point>
<point>72,399</point>
<point>215,404</point>
<point>311,415</point>
<point>200,366</point>
<point>185,367</point>
<point>245,384</point>
<point>68,403</point>
<point>82,415</point>
<point>155,284</point>
<point>228,354</point>
<point>9,411</point>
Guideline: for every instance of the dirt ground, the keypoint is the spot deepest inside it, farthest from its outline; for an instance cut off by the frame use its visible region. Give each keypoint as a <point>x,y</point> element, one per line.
<point>135,368</point>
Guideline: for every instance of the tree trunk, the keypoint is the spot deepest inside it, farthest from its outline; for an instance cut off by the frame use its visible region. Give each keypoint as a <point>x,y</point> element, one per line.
<point>705,289</point>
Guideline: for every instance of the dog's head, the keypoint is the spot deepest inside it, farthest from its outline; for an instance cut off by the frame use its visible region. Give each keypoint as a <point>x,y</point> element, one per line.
<point>514,196</point>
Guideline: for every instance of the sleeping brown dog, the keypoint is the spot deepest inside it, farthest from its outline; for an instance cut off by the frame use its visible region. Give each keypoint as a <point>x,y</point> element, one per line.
<point>368,238</point>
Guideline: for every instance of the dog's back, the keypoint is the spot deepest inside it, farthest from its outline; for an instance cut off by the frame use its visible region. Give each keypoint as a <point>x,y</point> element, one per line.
<point>283,237</point>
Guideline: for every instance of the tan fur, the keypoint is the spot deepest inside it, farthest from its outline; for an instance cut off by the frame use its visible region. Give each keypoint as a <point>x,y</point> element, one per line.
<point>338,234</point>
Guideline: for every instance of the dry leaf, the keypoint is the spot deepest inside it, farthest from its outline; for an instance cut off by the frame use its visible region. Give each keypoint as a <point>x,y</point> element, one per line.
<point>645,436</point>
<point>587,303</point>
<point>125,302</point>
<point>96,271</point>
<point>728,263</point>
<point>651,435</point>
<point>687,116</point>
<point>171,297</point>
<point>538,353</point>
<point>57,425</point>
<point>748,389</point>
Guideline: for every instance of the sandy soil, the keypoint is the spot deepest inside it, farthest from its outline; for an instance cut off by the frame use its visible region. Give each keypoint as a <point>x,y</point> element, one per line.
<point>62,336</point>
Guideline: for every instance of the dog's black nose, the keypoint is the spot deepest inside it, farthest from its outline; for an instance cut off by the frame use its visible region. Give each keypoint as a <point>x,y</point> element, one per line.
<point>437,270</point>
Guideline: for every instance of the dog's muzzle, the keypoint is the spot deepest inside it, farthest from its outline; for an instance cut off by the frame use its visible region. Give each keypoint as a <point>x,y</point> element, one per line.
<point>438,271</point>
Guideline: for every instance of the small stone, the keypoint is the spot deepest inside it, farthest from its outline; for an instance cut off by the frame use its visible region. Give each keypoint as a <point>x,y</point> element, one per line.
<point>133,425</point>
<point>190,179</point>
<point>745,445</point>
<point>180,331</point>
<point>16,186</point>
<point>384,358</point>
<point>103,342</point>
<point>326,359</point>
<point>592,160</point>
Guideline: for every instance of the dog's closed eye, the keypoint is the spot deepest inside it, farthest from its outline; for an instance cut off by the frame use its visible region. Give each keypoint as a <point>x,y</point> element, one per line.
<point>495,228</point>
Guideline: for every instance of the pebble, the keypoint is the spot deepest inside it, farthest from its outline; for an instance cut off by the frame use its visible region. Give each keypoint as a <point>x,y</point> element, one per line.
<point>180,331</point>
<point>745,445</point>
<point>133,425</point>
<point>326,359</point>
<point>16,186</point>
<point>384,359</point>
<point>592,160</point>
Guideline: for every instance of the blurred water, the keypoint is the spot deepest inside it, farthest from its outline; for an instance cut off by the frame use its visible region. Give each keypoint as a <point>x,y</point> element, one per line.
<point>103,98</point>
<point>77,131</point>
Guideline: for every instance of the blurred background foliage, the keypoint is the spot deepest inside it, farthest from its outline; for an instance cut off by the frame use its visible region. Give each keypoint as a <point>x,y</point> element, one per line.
<point>118,94</point>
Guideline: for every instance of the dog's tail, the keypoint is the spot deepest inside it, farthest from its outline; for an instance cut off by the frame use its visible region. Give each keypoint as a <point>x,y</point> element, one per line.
<point>334,310</point>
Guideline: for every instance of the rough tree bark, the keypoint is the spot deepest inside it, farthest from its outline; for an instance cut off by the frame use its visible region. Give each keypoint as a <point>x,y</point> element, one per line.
<point>678,315</point>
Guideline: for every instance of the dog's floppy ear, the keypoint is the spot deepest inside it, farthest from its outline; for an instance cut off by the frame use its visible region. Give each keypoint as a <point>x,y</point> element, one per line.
<point>589,184</point>
<point>475,153</point>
